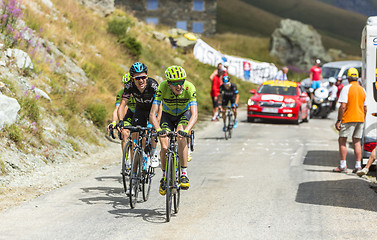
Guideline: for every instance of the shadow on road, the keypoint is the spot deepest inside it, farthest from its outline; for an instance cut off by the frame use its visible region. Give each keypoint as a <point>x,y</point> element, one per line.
<point>327,158</point>
<point>212,138</point>
<point>349,193</point>
<point>119,201</point>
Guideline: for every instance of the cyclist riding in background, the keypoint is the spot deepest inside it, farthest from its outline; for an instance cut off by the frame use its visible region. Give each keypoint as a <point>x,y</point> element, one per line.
<point>130,109</point>
<point>229,93</point>
<point>143,89</point>
<point>179,112</point>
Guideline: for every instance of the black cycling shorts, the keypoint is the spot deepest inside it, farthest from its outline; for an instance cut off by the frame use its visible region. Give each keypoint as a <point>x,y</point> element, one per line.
<point>215,104</point>
<point>226,100</point>
<point>170,122</point>
<point>128,118</point>
<point>141,117</point>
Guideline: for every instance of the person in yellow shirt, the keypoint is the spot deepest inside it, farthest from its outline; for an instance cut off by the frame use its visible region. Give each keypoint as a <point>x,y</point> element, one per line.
<point>350,121</point>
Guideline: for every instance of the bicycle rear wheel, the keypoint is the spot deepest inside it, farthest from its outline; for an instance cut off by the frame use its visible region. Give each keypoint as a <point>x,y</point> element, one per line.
<point>169,184</point>
<point>177,194</point>
<point>230,126</point>
<point>126,162</point>
<point>135,180</point>
<point>226,132</point>
<point>147,182</point>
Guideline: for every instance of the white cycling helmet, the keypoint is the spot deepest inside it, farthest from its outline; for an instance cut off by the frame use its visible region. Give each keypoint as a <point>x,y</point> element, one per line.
<point>332,80</point>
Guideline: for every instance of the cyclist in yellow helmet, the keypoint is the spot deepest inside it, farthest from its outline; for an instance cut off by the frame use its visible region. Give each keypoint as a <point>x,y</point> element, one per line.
<point>179,113</point>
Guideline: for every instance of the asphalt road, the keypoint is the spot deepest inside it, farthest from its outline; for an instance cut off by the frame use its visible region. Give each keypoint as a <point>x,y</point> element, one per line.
<point>270,181</point>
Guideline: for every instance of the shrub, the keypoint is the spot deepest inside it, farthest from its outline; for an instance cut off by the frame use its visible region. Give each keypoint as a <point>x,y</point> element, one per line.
<point>14,133</point>
<point>97,113</point>
<point>119,26</point>
<point>29,108</point>
<point>134,46</point>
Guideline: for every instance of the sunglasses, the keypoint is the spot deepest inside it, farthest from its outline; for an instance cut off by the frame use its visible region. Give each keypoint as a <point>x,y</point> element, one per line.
<point>177,83</point>
<point>140,77</point>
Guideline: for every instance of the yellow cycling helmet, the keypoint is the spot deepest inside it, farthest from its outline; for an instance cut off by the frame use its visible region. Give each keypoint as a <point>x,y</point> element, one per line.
<point>126,78</point>
<point>352,72</point>
<point>376,72</point>
<point>175,73</point>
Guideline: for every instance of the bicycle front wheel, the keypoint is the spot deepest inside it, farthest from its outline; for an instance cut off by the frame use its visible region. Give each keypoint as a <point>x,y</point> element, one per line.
<point>126,163</point>
<point>177,194</point>
<point>147,182</point>
<point>169,184</point>
<point>135,180</point>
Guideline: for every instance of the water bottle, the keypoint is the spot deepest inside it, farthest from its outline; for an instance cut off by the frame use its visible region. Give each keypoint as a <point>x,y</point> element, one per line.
<point>145,160</point>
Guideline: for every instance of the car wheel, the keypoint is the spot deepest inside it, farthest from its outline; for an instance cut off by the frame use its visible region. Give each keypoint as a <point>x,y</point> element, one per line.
<point>298,121</point>
<point>307,116</point>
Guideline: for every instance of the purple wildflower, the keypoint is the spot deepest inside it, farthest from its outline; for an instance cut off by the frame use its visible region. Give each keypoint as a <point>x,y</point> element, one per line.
<point>36,97</point>
<point>33,87</point>
<point>26,92</point>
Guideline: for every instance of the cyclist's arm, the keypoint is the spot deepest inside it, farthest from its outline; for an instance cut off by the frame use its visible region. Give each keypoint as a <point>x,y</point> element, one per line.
<point>122,108</point>
<point>193,119</point>
<point>115,114</point>
<point>153,115</point>
<point>159,114</point>
<point>237,99</point>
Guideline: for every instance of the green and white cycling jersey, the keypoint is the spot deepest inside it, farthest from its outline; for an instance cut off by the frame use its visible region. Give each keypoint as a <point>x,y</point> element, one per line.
<point>172,104</point>
<point>131,102</point>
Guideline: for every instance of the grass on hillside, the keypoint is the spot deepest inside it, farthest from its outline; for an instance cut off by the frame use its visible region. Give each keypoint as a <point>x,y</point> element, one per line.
<point>77,40</point>
<point>340,29</point>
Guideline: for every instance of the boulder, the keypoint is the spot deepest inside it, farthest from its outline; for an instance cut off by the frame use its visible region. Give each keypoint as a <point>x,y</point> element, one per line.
<point>159,36</point>
<point>102,7</point>
<point>297,44</point>
<point>20,58</point>
<point>183,42</point>
<point>9,108</point>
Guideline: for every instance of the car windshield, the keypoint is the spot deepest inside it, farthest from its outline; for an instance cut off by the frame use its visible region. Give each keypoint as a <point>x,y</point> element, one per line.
<point>330,72</point>
<point>280,90</point>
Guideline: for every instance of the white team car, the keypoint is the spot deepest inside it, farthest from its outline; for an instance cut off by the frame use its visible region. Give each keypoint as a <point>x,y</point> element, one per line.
<point>335,69</point>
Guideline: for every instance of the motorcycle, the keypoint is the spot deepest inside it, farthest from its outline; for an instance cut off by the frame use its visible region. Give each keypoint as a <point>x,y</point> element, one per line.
<point>321,103</point>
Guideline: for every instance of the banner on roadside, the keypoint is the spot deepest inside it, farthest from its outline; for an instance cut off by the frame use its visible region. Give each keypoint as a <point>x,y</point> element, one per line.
<point>246,69</point>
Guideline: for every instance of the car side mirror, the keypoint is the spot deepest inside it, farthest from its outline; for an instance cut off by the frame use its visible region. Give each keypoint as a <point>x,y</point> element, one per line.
<point>252,91</point>
<point>344,77</point>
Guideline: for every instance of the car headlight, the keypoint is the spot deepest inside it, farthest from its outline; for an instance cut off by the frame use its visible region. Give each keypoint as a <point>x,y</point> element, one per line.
<point>290,105</point>
<point>251,102</point>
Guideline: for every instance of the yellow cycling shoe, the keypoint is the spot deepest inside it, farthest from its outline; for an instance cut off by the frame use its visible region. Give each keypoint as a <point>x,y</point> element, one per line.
<point>162,188</point>
<point>185,183</point>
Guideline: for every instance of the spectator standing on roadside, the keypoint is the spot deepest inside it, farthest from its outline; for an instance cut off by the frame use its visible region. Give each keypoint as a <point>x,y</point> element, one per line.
<point>350,121</point>
<point>282,74</point>
<point>225,69</point>
<point>339,85</point>
<point>315,76</point>
<point>216,80</point>
<point>371,160</point>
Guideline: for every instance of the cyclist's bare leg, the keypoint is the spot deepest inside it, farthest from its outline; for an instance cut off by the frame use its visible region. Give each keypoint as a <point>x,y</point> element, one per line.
<point>235,112</point>
<point>223,112</point>
<point>134,136</point>
<point>164,149</point>
<point>182,148</point>
<point>125,135</point>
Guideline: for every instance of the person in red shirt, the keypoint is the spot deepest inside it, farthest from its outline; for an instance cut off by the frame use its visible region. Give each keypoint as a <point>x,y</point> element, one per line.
<point>216,80</point>
<point>339,85</point>
<point>316,75</point>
